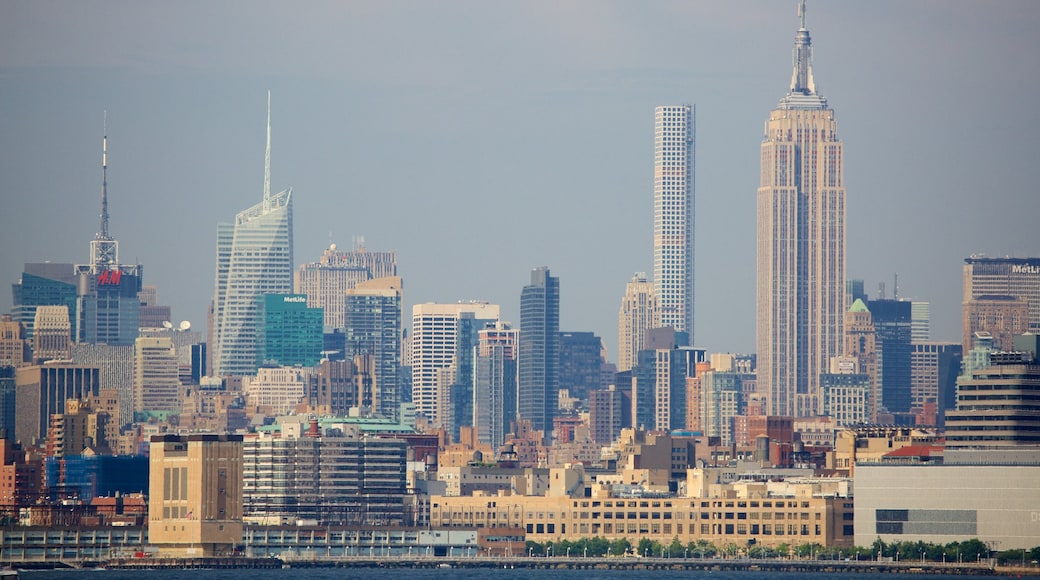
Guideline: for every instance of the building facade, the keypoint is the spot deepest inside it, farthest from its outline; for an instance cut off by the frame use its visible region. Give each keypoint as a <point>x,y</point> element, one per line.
<point>195,494</point>
<point>494,384</point>
<point>1018,277</point>
<point>290,332</point>
<point>675,128</point>
<point>637,314</point>
<point>372,326</point>
<point>41,391</point>
<point>338,271</point>
<point>538,379</point>
<point>436,333</point>
<point>254,258</point>
<point>801,243</point>
<point>157,386</point>
<point>51,335</point>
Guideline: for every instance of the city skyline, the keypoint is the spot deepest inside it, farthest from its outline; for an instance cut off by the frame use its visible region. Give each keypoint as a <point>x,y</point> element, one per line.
<point>392,156</point>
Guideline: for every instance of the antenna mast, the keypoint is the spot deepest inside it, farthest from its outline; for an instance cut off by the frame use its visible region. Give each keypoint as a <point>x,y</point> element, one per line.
<point>267,157</point>
<point>103,234</point>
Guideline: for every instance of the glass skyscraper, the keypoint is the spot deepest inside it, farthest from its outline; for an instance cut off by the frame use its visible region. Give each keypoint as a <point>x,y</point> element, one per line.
<point>254,258</point>
<point>538,364</point>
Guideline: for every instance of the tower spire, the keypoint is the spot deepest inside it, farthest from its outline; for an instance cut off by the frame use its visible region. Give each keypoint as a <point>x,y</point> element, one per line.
<point>267,157</point>
<point>802,77</point>
<point>103,232</point>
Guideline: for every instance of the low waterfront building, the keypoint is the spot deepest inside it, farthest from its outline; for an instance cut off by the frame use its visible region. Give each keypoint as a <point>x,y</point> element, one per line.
<point>767,513</point>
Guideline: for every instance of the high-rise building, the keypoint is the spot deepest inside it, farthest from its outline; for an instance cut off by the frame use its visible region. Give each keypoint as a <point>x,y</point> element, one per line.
<point>195,494</point>
<point>934,367</point>
<point>494,384</point>
<point>892,328</point>
<point>861,345</point>
<point>153,314</point>
<point>51,336</point>
<point>336,272</point>
<point>115,366</point>
<point>290,331</point>
<point>538,379</point>
<point>1000,315</point>
<point>7,402</point>
<point>996,405</point>
<point>254,257</point>
<point>439,333</point>
<point>582,359</point>
<point>920,321</point>
<point>41,391</point>
<point>610,410</point>
<point>1018,277</point>
<point>675,128</point>
<point>638,313</point>
<point>156,383</point>
<point>42,284</point>
<point>107,307</point>
<point>14,349</point>
<point>372,326</point>
<point>801,243</point>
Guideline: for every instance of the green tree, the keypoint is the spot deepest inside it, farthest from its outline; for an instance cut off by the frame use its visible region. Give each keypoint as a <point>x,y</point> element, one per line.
<point>534,548</point>
<point>675,548</point>
<point>620,547</point>
<point>645,547</point>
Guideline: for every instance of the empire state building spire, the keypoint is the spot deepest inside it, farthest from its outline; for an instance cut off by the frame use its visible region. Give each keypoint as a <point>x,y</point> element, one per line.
<point>802,94</point>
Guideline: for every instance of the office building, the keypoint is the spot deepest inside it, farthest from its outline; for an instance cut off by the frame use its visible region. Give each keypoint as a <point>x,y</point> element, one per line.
<point>582,360</point>
<point>861,346</point>
<point>920,321</point>
<point>440,333</point>
<point>675,128</point>
<point>14,348</point>
<point>538,380</point>
<point>846,391</point>
<point>934,367</point>
<point>290,332</point>
<point>494,384</point>
<point>720,401</point>
<point>275,390</point>
<point>892,331</point>
<point>51,336</point>
<point>996,405</point>
<point>41,391</point>
<point>8,399</point>
<point>115,366</point>
<point>156,382</point>
<point>195,494</point>
<point>330,480</point>
<point>254,258</point>
<point>152,314</point>
<point>1018,277</point>
<point>610,411</point>
<point>801,243</point>
<point>338,271</point>
<point>372,327</point>
<point>1002,316</point>
<point>42,284</point>
<point>107,307</point>
<point>638,313</point>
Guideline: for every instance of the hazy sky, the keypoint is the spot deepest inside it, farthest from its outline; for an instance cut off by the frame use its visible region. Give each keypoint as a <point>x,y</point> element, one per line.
<point>482,139</point>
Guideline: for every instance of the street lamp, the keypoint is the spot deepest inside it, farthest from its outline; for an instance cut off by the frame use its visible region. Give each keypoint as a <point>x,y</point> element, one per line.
<point>530,552</point>
<point>568,551</point>
<point>686,553</point>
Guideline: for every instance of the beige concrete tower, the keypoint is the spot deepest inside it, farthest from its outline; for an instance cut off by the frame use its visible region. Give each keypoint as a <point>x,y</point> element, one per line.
<point>638,313</point>
<point>801,243</point>
<point>195,494</point>
<point>52,334</point>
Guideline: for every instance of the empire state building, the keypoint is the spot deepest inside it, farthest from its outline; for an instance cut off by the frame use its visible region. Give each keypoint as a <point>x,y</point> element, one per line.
<point>800,295</point>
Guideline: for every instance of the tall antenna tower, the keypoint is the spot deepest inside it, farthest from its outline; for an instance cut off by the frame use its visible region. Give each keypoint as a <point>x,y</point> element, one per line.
<point>267,157</point>
<point>104,251</point>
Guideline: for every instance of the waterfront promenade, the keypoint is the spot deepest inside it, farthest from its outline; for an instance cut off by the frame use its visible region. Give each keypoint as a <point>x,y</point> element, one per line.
<point>306,560</point>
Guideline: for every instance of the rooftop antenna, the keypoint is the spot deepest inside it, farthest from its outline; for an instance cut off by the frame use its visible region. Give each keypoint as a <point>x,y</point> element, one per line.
<point>103,234</point>
<point>801,13</point>
<point>895,286</point>
<point>104,251</point>
<point>267,157</point>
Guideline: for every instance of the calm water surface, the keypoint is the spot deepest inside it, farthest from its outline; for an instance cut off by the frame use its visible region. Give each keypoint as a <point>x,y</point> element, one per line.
<point>460,574</point>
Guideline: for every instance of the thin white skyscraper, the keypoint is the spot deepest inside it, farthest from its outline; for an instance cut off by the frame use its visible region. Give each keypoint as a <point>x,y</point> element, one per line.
<point>674,172</point>
<point>801,243</point>
<point>254,257</point>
